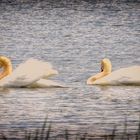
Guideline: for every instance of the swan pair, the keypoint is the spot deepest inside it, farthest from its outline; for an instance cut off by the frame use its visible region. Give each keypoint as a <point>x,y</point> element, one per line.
<point>35,73</point>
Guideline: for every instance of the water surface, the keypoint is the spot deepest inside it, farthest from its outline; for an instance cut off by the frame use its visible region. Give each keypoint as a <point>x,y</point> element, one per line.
<point>74,37</point>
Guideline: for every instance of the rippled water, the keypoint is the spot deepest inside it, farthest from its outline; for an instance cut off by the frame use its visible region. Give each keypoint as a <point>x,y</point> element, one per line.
<point>74,37</point>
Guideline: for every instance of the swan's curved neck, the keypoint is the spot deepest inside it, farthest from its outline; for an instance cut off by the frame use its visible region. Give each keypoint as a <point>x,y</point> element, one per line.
<point>105,70</point>
<point>6,65</point>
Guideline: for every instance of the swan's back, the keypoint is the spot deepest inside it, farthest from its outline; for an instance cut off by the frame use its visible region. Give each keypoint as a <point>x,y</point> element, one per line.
<point>27,73</point>
<point>123,76</point>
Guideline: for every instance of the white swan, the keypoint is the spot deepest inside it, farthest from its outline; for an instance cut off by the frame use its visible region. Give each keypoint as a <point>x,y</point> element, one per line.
<point>123,76</point>
<point>32,73</point>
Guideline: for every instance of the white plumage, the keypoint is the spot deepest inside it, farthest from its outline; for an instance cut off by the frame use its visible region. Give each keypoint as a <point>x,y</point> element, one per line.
<point>32,73</point>
<point>123,76</point>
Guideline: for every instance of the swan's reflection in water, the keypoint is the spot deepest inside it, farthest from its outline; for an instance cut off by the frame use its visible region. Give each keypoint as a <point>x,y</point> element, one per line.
<point>4,90</point>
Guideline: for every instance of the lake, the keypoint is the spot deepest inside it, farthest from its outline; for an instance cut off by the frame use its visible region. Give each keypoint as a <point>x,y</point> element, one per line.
<point>74,36</point>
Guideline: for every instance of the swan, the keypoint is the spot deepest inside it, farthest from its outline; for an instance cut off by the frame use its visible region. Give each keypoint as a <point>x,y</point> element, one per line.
<point>123,76</point>
<point>31,73</point>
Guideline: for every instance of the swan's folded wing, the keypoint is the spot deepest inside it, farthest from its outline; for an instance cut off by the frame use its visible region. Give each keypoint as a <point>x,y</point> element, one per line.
<point>27,73</point>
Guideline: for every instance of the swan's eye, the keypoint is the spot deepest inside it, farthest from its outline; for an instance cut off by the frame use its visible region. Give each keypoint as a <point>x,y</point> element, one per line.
<point>102,67</point>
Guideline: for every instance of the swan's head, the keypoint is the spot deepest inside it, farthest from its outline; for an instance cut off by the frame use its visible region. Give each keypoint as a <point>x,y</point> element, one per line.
<point>106,66</point>
<point>5,63</point>
<point>105,70</point>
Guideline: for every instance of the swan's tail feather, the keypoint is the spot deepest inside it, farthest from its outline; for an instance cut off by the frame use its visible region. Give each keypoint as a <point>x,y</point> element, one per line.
<point>53,72</point>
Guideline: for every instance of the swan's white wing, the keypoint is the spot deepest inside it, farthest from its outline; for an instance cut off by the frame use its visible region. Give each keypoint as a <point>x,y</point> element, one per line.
<point>27,73</point>
<point>43,83</point>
